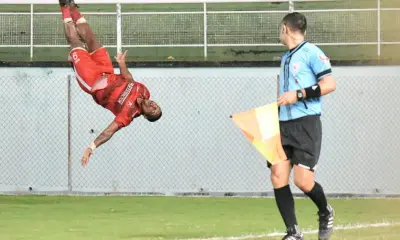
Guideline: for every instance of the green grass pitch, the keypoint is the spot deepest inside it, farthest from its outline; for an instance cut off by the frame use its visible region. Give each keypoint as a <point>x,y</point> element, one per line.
<point>156,218</point>
<point>222,28</point>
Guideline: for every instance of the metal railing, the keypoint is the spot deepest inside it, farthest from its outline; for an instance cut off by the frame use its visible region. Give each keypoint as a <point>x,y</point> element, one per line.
<point>204,29</point>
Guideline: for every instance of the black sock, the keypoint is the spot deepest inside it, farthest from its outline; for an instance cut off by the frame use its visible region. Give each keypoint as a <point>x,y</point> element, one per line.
<point>317,195</point>
<point>284,200</point>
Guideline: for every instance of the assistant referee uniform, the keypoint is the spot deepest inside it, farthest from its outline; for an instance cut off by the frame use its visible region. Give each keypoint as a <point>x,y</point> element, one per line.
<point>305,76</point>
<point>300,124</point>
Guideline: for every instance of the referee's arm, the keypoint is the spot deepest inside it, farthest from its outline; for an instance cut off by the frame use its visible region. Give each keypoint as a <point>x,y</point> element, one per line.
<point>322,69</point>
<point>327,85</point>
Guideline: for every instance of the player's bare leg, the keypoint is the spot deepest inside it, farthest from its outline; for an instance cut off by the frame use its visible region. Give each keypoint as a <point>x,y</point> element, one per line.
<point>70,31</point>
<point>83,28</point>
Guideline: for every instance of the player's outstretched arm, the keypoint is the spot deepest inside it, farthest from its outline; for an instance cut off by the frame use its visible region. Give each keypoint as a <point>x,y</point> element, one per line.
<point>120,58</point>
<point>101,139</point>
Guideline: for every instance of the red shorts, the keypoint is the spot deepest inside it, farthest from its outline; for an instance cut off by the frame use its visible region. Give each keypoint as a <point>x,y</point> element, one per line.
<point>90,67</point>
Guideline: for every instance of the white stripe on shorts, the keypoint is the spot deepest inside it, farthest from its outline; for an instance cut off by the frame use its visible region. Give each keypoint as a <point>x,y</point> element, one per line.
<point>80,79</point>
<point>304,166</point>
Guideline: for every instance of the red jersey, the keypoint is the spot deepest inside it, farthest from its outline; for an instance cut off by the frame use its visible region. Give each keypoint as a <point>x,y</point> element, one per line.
<point>119,96</point>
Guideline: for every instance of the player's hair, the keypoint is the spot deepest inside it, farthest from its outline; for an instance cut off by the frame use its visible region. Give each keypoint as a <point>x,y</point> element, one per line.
<point>154,118</point>
<point>296,22</point>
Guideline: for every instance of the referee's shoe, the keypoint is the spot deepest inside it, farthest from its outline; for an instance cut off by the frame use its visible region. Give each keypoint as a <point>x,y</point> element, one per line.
<point>293,233</point>
<point>326,223</point>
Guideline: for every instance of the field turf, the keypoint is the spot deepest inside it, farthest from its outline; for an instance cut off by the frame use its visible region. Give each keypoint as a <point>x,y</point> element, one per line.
<point>123,218</point>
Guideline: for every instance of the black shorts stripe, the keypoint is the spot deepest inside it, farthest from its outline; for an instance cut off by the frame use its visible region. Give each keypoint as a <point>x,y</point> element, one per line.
<point>324,73</point>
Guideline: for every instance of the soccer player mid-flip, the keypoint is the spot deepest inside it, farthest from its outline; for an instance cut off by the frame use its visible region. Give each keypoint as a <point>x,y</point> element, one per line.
<point>119,93</point>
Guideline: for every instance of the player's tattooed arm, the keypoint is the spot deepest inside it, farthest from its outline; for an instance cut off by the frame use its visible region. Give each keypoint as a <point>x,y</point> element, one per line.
<point>120,58</point>
<point>101,139</point>
<point>106,134</point>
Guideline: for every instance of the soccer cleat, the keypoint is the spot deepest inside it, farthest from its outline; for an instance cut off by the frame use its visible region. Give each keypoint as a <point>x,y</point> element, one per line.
<point>72,3</point>
<point>63,3</point>
<point>293,233</point>
<point>326,224</point>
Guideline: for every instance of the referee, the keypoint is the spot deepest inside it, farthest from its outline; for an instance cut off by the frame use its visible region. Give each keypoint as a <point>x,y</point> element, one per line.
<point>305,76</point>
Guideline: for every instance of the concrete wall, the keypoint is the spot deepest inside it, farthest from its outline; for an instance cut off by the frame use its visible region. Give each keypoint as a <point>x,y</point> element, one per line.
<point>196,145</point>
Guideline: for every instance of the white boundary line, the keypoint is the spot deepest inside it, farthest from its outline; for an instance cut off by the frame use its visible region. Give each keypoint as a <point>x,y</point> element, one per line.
<point>275,234</point>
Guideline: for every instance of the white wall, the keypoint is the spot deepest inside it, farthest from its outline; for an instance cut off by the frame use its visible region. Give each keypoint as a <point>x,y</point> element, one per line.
<point>195,145</point>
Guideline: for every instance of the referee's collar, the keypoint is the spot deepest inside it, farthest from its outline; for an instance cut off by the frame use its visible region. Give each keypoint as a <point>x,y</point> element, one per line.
<point>293,50</point>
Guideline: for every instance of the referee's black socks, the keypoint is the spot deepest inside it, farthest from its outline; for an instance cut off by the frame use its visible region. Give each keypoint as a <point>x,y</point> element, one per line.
<point>317,195</point>
<point>284,200</point>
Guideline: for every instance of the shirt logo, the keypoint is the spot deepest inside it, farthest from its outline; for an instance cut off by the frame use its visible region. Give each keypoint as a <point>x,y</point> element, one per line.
<point>125,94</point>
<point>296,67</point>
<point>323,58</point>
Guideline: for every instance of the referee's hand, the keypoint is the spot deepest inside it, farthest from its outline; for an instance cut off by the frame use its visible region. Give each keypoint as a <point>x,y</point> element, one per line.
<point>287,98</point>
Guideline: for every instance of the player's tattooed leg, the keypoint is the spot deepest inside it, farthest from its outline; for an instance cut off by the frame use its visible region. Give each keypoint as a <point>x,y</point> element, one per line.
<point>84,30</point>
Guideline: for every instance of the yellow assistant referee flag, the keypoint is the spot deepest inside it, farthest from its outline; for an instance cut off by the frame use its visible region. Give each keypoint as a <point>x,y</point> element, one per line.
<point>261,127</point>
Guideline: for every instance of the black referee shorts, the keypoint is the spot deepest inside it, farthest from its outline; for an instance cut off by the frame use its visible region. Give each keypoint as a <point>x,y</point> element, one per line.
<point>301,141</point>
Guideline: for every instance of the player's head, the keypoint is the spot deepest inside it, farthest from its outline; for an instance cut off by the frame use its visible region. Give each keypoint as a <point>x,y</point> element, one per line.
<point>151,110</point>
<point>293,28</point>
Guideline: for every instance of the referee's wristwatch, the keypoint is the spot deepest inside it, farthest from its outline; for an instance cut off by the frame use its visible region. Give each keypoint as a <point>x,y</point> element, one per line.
<point>300,96</point>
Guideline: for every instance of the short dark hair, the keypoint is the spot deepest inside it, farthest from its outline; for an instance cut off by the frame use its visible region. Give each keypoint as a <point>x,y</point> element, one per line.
<point>154,119</point>
<point>296,22</point>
